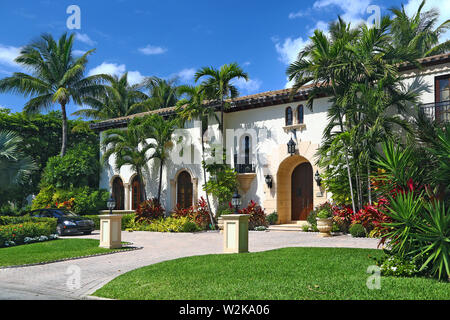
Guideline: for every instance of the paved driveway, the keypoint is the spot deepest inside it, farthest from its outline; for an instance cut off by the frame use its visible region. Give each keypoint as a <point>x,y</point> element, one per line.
<point>53,281</point>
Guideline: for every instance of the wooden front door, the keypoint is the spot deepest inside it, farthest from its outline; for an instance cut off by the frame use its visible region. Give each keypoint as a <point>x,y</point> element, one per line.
<point>136,193</point>
<point>118,193</point>
<point>184,190</point>
<point>302,192</point>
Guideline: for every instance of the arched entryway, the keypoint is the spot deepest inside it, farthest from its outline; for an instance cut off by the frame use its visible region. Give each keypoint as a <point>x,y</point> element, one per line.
<point>184,190</point>
<point>136,193</point>
<point>294,188</point>
<point>118,193</point>
<point>301,191</point>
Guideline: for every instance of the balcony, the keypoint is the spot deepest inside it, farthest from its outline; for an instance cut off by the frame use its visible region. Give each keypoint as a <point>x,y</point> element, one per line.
<point>245,168</point>
<point>438,111</point>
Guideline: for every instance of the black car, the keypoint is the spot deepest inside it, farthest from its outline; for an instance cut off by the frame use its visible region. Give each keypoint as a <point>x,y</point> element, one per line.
<point>68,222</point>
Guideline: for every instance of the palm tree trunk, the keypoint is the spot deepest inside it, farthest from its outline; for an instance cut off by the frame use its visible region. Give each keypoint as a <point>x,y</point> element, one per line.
<point>369,189</point>
<point>160,180</point>
<point>141,182</point>
<point>211,217</point>
<point>64,130</point>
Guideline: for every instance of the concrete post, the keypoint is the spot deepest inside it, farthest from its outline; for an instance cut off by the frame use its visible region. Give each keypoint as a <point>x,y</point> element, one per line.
<point>235,227</point>
<point>110,231</point>
<point>127,196</point>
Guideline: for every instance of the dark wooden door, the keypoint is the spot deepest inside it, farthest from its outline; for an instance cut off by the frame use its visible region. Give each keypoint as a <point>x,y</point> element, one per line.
<point>118,194</point>
<point>302,191</point>
<point>136,193</point>
<point>184,190</point>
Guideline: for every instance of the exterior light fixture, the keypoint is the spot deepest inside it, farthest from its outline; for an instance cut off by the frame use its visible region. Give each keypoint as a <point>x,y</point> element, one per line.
<point>291,147</point>
<point>236,201</point>
<point>318,178</point>
<point>111,204</point>
<point>268,179</point>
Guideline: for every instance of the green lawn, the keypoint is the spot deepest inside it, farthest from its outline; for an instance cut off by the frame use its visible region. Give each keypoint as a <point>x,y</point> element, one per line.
<point>49,251</point>
<point>290,273</point>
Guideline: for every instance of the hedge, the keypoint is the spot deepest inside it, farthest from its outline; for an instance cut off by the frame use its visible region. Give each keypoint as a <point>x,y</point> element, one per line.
<point>17,233</point>
<point>18,220</point>
<point>127,220</point>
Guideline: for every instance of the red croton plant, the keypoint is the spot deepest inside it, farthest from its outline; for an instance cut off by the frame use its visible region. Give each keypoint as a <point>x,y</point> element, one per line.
<point>200,215</point>
<point>149,210</point>
<point>257,215</point>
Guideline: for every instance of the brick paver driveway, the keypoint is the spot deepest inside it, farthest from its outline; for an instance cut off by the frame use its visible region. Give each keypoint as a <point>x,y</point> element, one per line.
<point>50,281</point>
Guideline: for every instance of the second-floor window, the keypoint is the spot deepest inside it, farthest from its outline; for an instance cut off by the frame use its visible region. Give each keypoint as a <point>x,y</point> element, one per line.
<point>289,117</point>
<point>443,88</point>
<point>300,114</point>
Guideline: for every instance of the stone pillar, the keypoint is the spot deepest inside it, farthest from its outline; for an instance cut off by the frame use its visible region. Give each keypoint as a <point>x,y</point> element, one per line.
<point>111,231</point>
<point>173,193</point>
<point>195,192</point>
<point>127,192</point>
<point>235,239</point>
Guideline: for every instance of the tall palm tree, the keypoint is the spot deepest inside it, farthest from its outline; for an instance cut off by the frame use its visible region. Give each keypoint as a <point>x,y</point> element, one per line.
<point>15,166</point>
<point>129,147</point>
<point>159,132</point>
<point>162,94</point>
<point>117,100</point>
<point>219,84</point>
<point>419,32</point>
<point>56,77</point>
<point>196,109</point>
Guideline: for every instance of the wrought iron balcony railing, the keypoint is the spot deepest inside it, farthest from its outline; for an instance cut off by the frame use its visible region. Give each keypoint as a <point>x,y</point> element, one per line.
<point>245,167</point>
<point>438,111</point>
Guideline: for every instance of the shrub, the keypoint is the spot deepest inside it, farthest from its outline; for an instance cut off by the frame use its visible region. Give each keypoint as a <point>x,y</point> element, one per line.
<point>272,218</point>
<point>169,224</point>
<point>52,222</point>
<point>149,210</point>
<point>357,231</point>
<point>342,215</point>
<point>257,215</point>
<point>190,226</point>
<point>312,220</point>
<point>395,266</point>
<point>15,234</point>
<point>201,217</point>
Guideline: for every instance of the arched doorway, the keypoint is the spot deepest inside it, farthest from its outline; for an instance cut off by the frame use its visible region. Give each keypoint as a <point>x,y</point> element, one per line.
<point>294,189</point>
<point>184,190</point>
<point>301,191</point>
<point>118,193</point>
<point>136,193</point>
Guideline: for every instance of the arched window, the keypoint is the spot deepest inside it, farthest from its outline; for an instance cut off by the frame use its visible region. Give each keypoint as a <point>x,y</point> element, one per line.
<point>118,193</point>
<point>137,196</point>
<point>247,150</point>
<point>289,117</point>
<point>300,113</point>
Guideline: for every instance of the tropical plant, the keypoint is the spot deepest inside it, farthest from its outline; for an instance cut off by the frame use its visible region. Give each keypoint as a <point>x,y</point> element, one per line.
<point>419,32</point>
<point>15,167</point>
<point>159,132</point>
<point>149,211</point>
<point>162,94</point>
<point>118,100</point>
<point>57,77</point>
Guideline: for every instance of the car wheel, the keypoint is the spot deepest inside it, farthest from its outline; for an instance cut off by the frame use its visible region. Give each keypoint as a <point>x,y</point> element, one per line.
<point>87,233</point>
<point>59,230</point>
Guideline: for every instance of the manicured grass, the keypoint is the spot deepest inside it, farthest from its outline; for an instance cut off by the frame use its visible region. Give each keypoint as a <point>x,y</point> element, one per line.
<point>49,251</point>
<point>285,274</point>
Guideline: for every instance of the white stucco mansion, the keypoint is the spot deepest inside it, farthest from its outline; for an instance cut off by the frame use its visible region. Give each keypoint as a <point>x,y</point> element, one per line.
<point>261,126</point>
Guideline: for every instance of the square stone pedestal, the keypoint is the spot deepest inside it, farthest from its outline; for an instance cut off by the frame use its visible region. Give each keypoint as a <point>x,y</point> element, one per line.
<point>111,231</point>
<point>235,233</point>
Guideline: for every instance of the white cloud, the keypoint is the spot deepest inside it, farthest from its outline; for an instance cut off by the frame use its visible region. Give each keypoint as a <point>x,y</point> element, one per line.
<point>186,75</point>
<point>354,11</point>
<point>152,50</point>
<point>288,51</point>
<point>8,54</point>
<point>78,53</point>
<point>83,37</point>
<point>250,86</point>
<point>114,69</point>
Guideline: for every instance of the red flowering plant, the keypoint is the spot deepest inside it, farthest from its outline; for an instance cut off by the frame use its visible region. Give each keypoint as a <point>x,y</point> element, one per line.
<point>183,212</point>
<point>342,215</point>
<point>257,215</point>
<point>149,210</point>
<point>66,204</point>
<point>201,216</point>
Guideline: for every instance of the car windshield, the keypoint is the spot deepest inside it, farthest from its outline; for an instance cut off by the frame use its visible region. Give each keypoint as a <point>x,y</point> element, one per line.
<point>63,213</point>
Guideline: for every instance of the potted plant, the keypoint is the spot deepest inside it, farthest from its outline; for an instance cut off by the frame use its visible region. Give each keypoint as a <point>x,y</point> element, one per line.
<point>325,222</point>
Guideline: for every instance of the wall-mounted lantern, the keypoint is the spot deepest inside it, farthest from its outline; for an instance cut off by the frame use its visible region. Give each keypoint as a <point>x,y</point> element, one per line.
<point>318,178</point>
<point>268,179</point>
<point>291,147</point>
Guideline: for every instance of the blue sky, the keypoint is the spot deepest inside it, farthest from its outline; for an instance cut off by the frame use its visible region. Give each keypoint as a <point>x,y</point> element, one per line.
<point>174,38</point>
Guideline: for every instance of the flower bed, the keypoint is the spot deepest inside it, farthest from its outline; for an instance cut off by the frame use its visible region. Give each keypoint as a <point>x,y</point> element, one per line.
<point>27,232</point>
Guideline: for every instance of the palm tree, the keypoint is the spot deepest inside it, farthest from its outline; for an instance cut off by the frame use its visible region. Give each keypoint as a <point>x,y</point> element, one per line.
<point>162,94</point>
<point>159,132</point>
<point>129,147</point>
<point>218,84</point>
<point>117,100</point>
<point>196,109</point>
<point>15,167</point>
<point>419,32</point>
<point>56,77</point>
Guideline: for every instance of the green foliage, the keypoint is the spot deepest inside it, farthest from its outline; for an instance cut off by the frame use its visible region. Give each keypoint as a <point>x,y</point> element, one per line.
<point>222,183</point>
<point>324,214</point>
<point>272,218</point>
<point>77,168</point>
<point>169,224</point>
<point>396,266</point>
<point>16,234</point>
<point>312,220</point>
<point>148,211</point>
<point>357,230</point>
